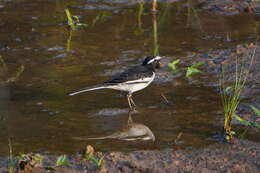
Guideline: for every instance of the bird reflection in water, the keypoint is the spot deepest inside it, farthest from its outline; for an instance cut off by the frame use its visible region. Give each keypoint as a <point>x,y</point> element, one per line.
<point>133,131</point>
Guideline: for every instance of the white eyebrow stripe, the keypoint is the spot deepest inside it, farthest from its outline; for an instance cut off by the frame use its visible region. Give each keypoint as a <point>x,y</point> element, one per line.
<point>152,60</point>
<point>157,57</point>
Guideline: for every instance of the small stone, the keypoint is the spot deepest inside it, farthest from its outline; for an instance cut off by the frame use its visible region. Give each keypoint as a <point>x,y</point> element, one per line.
<point>176,163</point>
<point>44,110</point>
<point>18,39</point>
<point>55,48</point>
<point>63,55</point>
<point>39,103</point>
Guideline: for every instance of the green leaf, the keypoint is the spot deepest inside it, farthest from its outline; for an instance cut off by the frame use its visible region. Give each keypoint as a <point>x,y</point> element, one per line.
<point>172,65</point>
<point>69,17</point>
<point>100,161</point>
<point>94,160</point>
<point>257,111</point>
<point>191,70</point>
<point>175,61</point>
<point>50,168</point>
<point>254,124</point>
<point>247,123</point>
<point>76,19</point>
<point>82,24</point>
<point>73,21</point>
<point>194,69</point>
<point>61,161</point>
<point>197,64</point>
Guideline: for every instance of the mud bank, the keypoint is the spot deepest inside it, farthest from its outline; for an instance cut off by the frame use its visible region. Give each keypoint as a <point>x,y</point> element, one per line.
<point>241,157</point>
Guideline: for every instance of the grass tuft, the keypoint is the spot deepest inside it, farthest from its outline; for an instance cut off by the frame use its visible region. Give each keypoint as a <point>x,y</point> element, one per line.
<point>230,95</point>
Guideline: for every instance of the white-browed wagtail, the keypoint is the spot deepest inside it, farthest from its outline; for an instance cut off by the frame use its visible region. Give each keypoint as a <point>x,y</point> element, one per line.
<point>134,79</point>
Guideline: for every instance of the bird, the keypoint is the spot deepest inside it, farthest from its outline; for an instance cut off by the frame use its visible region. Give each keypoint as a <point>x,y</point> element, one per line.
<point>131,80</point>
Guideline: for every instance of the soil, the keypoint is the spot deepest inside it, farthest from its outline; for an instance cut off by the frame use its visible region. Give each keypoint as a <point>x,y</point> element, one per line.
<point>217,158</point>
<point>240,157</point>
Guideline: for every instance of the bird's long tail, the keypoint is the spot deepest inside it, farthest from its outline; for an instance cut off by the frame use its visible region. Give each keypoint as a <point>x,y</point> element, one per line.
<point>96,87</point>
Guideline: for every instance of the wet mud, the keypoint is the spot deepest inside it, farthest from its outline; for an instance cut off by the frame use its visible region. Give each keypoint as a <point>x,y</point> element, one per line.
<point>241,156</point>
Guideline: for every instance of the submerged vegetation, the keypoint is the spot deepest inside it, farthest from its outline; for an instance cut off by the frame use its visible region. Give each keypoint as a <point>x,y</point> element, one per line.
<point>4,73</point>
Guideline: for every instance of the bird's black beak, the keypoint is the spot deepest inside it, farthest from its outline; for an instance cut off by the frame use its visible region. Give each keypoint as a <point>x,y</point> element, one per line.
<point>159,64</point>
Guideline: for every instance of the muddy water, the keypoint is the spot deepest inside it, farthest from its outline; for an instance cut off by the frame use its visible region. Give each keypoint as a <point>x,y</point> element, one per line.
<point>37,115</point>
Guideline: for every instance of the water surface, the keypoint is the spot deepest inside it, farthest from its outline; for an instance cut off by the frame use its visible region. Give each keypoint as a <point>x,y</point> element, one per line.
<point>37,114</point>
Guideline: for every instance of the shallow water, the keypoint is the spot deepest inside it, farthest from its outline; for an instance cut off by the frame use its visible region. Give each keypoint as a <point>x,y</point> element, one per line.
<point>37,114</point>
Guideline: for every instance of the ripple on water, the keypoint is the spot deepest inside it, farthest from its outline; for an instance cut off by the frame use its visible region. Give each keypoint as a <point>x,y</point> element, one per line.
<point>111,112</point>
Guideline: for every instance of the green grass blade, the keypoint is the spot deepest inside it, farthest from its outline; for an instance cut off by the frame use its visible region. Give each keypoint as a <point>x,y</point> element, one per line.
<point>69,17</point>
<point>192,70</point>
<point>242,121</point>
<point>197,64</point>
<point>257,111</point>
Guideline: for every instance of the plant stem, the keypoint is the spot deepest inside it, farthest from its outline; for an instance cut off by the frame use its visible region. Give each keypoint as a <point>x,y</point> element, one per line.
<point>155,36</point>
<point>154,5</point>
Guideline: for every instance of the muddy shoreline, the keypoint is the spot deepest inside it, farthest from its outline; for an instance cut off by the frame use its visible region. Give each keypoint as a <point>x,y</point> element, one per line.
<point>242,156</point>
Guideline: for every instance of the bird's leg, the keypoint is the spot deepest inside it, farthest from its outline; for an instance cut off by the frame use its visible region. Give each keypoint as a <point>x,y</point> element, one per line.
<point>130,121</point>
<point>132,101</point>
<point>129,100</point>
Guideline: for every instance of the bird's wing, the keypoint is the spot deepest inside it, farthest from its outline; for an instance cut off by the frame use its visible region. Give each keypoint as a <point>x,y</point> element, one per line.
<point>131,75</point>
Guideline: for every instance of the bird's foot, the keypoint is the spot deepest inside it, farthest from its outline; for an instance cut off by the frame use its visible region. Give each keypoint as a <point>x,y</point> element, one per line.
<point>131,102</point>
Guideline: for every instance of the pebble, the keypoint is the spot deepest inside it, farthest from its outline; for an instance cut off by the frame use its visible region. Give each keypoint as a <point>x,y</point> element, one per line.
<point>63,55</point>
<point>39,103</point>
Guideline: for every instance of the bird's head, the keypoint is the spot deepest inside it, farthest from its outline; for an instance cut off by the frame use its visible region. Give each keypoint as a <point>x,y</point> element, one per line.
<point>152,61</point>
